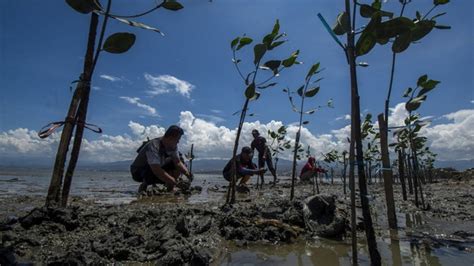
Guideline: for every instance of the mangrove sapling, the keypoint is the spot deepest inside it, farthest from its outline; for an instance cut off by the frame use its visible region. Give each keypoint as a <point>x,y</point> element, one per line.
<point>344,25</point>
<point>190,156</point>
<point>307,90</point>
<point>269,42</point>
<point>77,113</point>
<point>278,144</point>
<point>414,124</point>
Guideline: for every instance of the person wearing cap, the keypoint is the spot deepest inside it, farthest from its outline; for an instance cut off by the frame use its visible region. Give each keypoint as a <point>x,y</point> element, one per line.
<point>158,161</point>
<point>264,154</point>
<point>245,167</point>
<point>309,170</point>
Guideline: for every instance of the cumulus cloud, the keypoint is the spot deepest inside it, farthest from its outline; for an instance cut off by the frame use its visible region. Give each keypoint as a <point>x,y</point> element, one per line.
<point>212,118</point>
<point>110,78</point>
<point>452,140</point>
<point>166,83</point>
<point>345,117</point>
<point>136,101</point>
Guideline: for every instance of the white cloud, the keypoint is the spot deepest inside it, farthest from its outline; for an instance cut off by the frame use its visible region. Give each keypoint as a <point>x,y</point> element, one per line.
<point>212,118</point>
<point>345,117</point>
<point>166,83</point>
<point>136,101</point>
<point>215,111</point>
<point>110,78</point>
<point>96,88</point>
<point>472,101</point>
<point>452,140</point>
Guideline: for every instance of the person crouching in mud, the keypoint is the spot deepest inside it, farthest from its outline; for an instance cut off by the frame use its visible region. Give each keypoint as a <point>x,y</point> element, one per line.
<point>309,170</point>
<point>245,169</point>
<point>158,161</point>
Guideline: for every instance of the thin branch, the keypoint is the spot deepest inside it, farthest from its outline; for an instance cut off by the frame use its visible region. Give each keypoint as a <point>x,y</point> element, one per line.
<point>429,12</point>
<point>134,16</point>
<point>270,78</point>
<point>236,66</point>
<point>101,38</point>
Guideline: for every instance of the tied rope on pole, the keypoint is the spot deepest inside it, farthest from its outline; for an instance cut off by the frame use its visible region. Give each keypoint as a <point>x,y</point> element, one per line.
<point>49,129</point>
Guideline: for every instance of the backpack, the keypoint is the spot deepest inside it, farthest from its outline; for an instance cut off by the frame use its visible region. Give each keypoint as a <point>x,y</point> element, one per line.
<point>143,144</point>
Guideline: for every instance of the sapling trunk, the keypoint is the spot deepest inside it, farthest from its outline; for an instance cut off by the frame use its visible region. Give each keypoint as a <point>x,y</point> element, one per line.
<point>401,174</point>
<point>53,197</point>
<point>353,200</point>
<point>356,128</point>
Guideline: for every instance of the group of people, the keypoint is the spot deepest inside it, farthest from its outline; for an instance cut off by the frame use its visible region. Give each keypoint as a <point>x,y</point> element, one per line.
<point>158,162</point>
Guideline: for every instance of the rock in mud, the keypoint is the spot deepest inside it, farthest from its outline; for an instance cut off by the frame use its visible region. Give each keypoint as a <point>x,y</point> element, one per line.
<point>322,218</point>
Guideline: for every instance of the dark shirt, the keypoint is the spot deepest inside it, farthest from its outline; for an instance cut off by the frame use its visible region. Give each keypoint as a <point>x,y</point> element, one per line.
<point>242,167</point>
<point>154,153</point>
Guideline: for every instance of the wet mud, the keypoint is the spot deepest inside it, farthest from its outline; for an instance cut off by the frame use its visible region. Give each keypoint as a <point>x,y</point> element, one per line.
<point>157,228</point>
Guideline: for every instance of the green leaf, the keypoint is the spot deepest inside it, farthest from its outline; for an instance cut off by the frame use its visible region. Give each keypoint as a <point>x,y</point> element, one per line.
<point>377,4</point>
<point>393,27</point>
<point>312,70</point>
<point>438,15</point>
<point>250,91</point>
<point>367,11</point>
<point>430,84</point>
<point>421,80</point>
<point>276,44</point>
<point>254,98</point>
<point>407,92</point>
<point>342,24</point>
<point>234,42</point>
<point>172,5</point>
<point>442,27</point>
<point>83,6</point>
<point>421,29</point>
<point>365,43</point>
<point>291,60</point>
<point>427,86</point>
<point>440,2</point>
<point>311,92</point>
<point>304,123</point>
<point>244,41</point>
<point>120,42</point>
<point>402,42</point>
<point>267,86</point>
<point>276,28</point>
<point>414,103</point>
<point>300,90</point>
<point>273,65</point>
<point>418,15</point>
<point>259,51</point>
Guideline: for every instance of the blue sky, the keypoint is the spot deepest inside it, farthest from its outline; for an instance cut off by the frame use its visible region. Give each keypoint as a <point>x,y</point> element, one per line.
<point>43,42</point>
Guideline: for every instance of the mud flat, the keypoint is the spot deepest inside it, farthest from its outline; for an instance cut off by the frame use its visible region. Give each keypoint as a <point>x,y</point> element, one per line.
<point>168,229</point>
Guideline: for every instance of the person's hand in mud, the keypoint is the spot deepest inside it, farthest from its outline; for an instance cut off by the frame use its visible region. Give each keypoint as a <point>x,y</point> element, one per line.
<point>261,171</point>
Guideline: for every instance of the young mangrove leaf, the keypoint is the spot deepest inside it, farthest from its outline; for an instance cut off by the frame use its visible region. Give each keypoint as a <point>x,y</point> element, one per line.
<point>440,2</point>
<point>234,43</point>
<point>172,5</point>
<point>414,103</point>
<point>120,42</point>
<point>259,51</point>
<point>312,70</point>
<point>421,29</point>
<point>402,42</point>
<point>273,65</point>
<point>291,60</point>
<point>250,91</point>
<point>243,42</point>
<point>83,6</point>
<point>311,92</point>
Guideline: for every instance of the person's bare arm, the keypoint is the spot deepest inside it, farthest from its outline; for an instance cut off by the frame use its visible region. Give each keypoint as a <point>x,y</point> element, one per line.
<point>184,170</point>
<point>163,176</point>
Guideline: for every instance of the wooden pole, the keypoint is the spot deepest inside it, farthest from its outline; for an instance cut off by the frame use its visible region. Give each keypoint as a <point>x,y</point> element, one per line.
<point>387,174</point>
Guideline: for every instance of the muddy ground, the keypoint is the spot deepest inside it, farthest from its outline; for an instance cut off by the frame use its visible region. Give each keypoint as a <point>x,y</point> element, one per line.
<point>176,233</point>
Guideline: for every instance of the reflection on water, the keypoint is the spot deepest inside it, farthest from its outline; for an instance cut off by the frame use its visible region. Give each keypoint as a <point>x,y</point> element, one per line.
<point>118,188</point>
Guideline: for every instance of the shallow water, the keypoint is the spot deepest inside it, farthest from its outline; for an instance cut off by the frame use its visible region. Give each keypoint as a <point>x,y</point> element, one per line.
<point>396,248</point>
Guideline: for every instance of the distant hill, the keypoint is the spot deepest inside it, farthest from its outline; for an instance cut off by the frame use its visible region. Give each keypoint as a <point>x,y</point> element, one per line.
<point>199,166</point>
